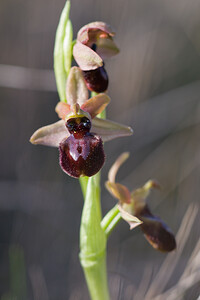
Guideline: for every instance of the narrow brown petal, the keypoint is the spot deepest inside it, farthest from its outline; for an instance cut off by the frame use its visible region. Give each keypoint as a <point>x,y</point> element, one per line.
<point>96,104</point>
<point>115,167</point>
<point>119,191</point>
<point>50,135</point>
<point>62,110</point>
<point>139,195</point>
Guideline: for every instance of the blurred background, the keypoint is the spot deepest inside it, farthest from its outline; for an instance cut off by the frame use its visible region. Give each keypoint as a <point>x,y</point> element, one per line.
<point>155,88</point>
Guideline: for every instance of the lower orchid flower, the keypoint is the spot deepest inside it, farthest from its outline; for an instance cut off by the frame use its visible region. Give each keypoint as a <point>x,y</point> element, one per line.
<point>80,134</point>
<point>135,211</point>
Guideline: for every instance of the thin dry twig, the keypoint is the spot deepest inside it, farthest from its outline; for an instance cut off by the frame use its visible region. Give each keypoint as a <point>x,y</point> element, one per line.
<point>144,283</point>
<point>177,292</point>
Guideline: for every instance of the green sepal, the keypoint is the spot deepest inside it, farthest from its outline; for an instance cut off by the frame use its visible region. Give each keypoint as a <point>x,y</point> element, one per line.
<point>59,65</point>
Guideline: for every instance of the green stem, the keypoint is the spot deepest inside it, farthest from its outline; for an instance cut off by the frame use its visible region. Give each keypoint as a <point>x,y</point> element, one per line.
<point>110,220</point>
<point>92,237</point>
<point>93,242</point>
<point>83,183</point>
<point>96,277</point>
<point>112,225</point>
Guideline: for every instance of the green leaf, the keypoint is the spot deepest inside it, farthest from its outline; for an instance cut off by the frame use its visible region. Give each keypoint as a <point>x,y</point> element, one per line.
<point>59,65</point>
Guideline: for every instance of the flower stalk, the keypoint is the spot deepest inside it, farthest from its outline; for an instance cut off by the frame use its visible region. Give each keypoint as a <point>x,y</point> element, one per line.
<point>94,262</point>
<point>110,220</point>
<point>93,242</point>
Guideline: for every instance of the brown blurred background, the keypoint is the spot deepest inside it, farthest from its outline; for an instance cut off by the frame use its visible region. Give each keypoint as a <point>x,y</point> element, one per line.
<point>155,88</point>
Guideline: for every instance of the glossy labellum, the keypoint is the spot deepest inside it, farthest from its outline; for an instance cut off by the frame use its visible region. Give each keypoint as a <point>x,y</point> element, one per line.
<point>82,153</point>
<point>157,233</point>
<point>96,80</point>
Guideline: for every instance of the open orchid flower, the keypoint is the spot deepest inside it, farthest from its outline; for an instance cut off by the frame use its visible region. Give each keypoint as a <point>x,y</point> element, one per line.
<point>94,44</point>
<point>135,211</point>
<point>80,134</point>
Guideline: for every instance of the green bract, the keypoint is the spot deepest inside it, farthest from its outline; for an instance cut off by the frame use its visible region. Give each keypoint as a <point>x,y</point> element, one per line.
<point>63,51</point>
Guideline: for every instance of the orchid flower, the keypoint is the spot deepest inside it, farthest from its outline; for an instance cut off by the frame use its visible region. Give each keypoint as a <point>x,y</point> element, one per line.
<point>94,44</point>
<point>135,211</point>
<point>80,134</point>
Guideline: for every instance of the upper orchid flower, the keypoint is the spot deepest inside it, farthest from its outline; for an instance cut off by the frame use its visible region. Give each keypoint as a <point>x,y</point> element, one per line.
<point>94,44</point>
<point>134,210</point>
<point>80,133</point>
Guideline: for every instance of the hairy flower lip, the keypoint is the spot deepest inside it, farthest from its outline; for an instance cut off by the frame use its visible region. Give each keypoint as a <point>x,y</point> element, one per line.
<point>78,157</point>
<point>96,80</point>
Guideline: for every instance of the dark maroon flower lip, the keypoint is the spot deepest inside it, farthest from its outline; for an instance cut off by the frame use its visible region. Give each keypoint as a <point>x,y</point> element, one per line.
<point>96,80</point>
<point>78,126</point>
<point>82,153</point>
<point>83,156</point>
<point>157,233</point>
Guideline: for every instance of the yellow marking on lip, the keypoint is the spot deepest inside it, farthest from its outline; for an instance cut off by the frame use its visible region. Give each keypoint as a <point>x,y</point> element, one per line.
<point>79,114</point>
<point>76,116</point>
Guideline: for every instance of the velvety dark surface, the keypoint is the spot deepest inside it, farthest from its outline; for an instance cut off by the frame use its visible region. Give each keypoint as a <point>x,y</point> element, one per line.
<point>154,84</point>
